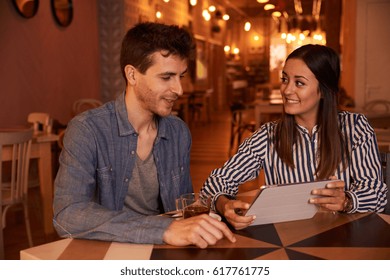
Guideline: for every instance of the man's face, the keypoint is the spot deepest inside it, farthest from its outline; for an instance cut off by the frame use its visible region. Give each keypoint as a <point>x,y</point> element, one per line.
<point>160,86</point>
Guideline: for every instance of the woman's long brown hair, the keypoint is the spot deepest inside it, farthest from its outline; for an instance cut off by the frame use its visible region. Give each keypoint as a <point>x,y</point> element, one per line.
<point>324,63</point>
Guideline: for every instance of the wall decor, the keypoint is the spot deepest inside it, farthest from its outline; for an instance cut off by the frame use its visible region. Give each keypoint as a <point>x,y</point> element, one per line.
<point>62,11</point>
<point>26,8</point>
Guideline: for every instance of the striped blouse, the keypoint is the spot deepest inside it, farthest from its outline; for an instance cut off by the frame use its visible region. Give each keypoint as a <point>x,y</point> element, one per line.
<point>363,177</point>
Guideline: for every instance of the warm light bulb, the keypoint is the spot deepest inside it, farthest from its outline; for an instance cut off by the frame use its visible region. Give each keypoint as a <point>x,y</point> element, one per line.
<point>269,7</point>
<point>158,14</point>
<point>276,14</point>
<point>236,51</point>
<point>226,49</point>
<point>206,15</point>
<point>166,1</point>
<point>262,1</point>
<point>225,17</point>
<point>212,8</point>
<point>247,26</point>
<point>193,2</point>
<point>256,38</point>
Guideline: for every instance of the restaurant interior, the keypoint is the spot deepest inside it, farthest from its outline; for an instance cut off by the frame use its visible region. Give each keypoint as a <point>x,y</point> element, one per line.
<point>61,57</point>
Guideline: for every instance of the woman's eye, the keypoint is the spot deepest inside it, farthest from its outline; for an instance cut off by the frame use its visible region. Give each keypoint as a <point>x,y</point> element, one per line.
<point>299,83</point>
<point>166,78</point>
<point>284,80</point>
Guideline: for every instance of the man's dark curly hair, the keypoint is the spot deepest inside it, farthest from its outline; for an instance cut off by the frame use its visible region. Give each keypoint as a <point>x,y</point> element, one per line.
<point>144,39</point>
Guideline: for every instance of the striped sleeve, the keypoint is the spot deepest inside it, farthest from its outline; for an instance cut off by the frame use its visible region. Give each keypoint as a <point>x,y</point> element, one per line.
<point>244,166</point>
<point>366,187</point>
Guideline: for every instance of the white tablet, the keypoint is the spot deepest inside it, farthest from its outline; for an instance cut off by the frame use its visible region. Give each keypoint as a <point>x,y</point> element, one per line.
<point>282,203</point>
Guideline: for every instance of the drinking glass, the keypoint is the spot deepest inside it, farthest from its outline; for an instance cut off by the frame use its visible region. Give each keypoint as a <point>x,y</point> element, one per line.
<point>194,204</point>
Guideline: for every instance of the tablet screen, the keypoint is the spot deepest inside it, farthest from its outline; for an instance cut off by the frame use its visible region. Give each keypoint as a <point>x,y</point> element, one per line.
<point>282,203</point>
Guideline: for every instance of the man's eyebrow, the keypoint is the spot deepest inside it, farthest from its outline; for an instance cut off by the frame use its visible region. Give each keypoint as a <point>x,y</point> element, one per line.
<point>168,73</point>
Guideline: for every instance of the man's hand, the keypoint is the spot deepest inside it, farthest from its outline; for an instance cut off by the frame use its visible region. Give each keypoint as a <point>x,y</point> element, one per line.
<point>201,231</point>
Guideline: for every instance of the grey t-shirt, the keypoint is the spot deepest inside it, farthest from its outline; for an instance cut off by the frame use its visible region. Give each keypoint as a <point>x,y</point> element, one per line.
<point>143,195</point>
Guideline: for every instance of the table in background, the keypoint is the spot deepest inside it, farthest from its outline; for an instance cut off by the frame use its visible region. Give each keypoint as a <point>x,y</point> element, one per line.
<point>325,236</point>
<point>264,107</point>
<point>182,107</point>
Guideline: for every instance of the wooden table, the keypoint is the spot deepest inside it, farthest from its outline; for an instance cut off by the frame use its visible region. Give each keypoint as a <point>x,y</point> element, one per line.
<point>265,108</point>
<point>325,236</point>
<point>41,149</point>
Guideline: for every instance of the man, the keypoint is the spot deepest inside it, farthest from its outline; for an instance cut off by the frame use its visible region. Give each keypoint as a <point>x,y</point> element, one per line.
<point>127,161</point>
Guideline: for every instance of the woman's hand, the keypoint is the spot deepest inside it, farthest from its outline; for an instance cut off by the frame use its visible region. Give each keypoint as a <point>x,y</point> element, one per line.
<point>232,209</point>
<point>332,196</point>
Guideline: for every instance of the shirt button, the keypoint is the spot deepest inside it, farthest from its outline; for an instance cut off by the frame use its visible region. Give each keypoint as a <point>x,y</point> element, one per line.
<point>132,152</point>
<point>134,134</point>
<point>126,180</point>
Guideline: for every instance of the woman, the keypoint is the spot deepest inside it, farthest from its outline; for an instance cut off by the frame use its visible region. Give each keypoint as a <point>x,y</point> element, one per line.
<point>312,141</point>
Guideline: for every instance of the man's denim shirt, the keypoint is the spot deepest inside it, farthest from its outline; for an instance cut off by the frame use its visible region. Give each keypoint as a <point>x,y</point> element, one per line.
<point>96,165</point>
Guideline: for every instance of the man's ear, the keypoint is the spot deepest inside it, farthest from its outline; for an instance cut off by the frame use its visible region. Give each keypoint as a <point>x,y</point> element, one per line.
<point>130,74</point>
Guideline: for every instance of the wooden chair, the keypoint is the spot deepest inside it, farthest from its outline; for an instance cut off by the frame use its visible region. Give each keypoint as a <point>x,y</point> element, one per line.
<point>200,105</point>
<point>378,106</point>
<point>385,157</point>
<point>14,149</point>
<point>239,125</point>
<point>39,120</point>
<point>84,104</point>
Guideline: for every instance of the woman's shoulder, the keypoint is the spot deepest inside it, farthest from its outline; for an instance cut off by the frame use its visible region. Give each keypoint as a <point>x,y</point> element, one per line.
<point>354,122</point>
<point>352,117</point>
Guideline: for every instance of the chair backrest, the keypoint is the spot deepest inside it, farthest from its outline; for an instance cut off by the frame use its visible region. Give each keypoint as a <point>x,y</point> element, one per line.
<point>39,120</point>
<point>15,148</point>
<point>377,106</point>
<point>84,104</point>
<point>385,158</point>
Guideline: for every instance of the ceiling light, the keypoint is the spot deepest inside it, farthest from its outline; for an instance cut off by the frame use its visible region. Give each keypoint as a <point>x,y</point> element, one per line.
<point>262,1</point>
<point>276,14</point>
<point>247,26</point>
<point>269,7</point>
<point>206,15</point>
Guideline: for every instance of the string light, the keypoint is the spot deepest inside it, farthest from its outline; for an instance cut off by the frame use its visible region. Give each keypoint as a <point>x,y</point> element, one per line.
<point>193,2</point>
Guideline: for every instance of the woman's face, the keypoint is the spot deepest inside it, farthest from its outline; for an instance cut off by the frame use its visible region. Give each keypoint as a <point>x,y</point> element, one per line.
<point>300,92</point>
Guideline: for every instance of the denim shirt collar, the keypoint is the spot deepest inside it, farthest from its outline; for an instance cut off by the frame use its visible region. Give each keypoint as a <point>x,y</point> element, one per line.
<point>125,127</point>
